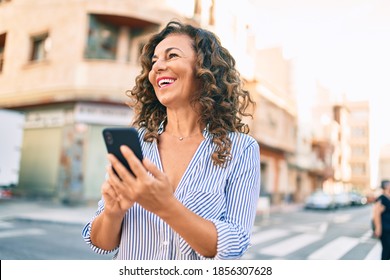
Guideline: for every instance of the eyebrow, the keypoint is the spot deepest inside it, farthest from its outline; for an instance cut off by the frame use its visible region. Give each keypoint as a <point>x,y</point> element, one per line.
<point>168,50</point>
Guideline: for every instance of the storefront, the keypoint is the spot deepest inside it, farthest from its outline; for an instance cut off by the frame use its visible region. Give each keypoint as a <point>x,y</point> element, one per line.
<point>63,153</point>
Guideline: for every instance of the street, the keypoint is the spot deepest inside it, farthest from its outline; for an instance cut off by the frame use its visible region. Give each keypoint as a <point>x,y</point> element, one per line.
<point>37,240</point>
<point>309,234</point>
<point>290,234</point>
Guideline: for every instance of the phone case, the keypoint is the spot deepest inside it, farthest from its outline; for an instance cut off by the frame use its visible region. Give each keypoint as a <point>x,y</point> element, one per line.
<point>115,137</point>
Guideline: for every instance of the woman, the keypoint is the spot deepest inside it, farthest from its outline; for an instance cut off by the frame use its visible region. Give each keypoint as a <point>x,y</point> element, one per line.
<point>382,219</point>
<point>194,195</point>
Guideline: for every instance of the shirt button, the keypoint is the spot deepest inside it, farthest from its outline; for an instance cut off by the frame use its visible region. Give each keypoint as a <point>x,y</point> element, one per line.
<point>165,243</point>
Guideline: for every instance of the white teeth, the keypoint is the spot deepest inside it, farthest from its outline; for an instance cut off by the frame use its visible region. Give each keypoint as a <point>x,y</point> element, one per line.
<point>163,82</point>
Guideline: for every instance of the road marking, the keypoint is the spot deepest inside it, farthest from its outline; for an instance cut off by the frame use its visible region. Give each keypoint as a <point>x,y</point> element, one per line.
<point>366,236</point>
<point>331,251</point>
<point>267,235</point>
<point>290,245</point>
<point>323,227</point>
<point>311,228</point>
<point>21,232</point>
<point>335,249</point>
<point>375,253</point>
<point>248,256</point>
<point>343,218</point>
<point>6,224</point>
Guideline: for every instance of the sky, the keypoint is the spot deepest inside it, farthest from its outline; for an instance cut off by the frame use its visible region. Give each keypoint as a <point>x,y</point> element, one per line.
<point>343,44</point>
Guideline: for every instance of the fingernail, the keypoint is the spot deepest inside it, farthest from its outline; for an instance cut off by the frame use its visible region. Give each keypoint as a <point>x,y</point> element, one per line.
<point>124,148</point>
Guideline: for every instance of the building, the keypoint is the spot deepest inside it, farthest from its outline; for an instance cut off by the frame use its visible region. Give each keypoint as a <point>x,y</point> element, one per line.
<point>67,66</point>
<point>275,124</point>
<point>342,151</point>
<point>312,162</point>
<point>359,113</point>
<point>331,119</point>
<point>345,125</point>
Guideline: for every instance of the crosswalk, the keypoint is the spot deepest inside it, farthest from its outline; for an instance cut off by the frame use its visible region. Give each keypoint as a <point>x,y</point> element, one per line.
<point>284,242</point>
<point>375,252</point>
<point>290,245</point>
<point>335,249</point>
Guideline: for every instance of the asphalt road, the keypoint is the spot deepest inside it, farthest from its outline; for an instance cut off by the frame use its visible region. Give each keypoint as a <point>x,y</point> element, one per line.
<point>34,240</point>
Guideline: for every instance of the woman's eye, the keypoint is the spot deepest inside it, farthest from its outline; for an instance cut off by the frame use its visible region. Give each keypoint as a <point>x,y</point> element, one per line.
<point>172,55</point>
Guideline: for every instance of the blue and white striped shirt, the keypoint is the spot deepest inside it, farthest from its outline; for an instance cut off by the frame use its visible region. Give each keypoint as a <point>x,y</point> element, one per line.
<point>226,196</point>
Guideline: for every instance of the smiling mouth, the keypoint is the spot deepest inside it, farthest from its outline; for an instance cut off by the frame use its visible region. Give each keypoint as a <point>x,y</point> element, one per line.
<point>165,82</point>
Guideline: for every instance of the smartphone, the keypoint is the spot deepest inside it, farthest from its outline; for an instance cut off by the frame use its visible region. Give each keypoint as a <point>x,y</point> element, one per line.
<point>115,137</point>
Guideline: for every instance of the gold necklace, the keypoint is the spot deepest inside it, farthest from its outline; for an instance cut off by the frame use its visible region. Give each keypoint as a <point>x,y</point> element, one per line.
<point>181,138</point>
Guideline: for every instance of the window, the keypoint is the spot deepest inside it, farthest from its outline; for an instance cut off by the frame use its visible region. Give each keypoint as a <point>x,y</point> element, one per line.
<point>41,45</point>
<point>358,151</point>
<point>358,168</point>
<point>2,47</point>
<point>358,131</point>
<point>102,39</point>
<point>360,115</point>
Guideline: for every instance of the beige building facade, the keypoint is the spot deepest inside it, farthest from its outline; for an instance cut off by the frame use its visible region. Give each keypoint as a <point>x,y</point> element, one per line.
<point>67,66</point>
<point>275,124</point>
<point>360,146</point>
<point>345,126</point>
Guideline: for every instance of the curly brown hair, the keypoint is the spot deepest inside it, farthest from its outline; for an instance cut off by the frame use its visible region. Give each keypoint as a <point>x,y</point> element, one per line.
<point>221,99</point>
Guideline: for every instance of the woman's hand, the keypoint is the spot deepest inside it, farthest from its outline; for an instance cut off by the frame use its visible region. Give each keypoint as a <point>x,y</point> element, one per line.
<point>378,231</point>
<point>106,228</point>
<point>114,203</point>
<point>148,186</point>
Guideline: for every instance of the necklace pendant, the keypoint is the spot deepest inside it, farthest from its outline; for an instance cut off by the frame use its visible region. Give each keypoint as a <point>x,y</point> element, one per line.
<point>181,138</point>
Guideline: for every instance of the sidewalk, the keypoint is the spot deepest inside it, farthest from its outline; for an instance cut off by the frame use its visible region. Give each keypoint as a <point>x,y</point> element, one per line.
<point>45,210</point>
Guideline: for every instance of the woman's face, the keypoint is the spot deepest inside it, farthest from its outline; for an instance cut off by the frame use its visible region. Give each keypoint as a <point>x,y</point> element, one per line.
<point>173,71</point>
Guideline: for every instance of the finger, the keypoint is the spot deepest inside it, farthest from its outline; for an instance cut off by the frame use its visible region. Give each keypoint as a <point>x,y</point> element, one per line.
<point>124,188</point>
<point>134,162</point>
<point>114,181</point>
<point>110,174</point>
<point>152,168</point>
<point>120,169</point>
<point>108,190</point>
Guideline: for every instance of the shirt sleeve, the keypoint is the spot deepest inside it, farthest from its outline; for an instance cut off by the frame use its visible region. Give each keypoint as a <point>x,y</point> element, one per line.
<point>242,193</point>
<point>86,233</point>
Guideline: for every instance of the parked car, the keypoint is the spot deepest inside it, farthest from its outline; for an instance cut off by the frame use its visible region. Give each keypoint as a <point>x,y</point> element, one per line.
<point>320,200</point>
<point>342,200</point>
<point>5,193</point>
<point>357,199</point>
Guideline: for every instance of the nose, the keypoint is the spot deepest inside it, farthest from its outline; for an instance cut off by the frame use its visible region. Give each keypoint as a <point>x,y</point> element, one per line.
<point>159,65</point>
